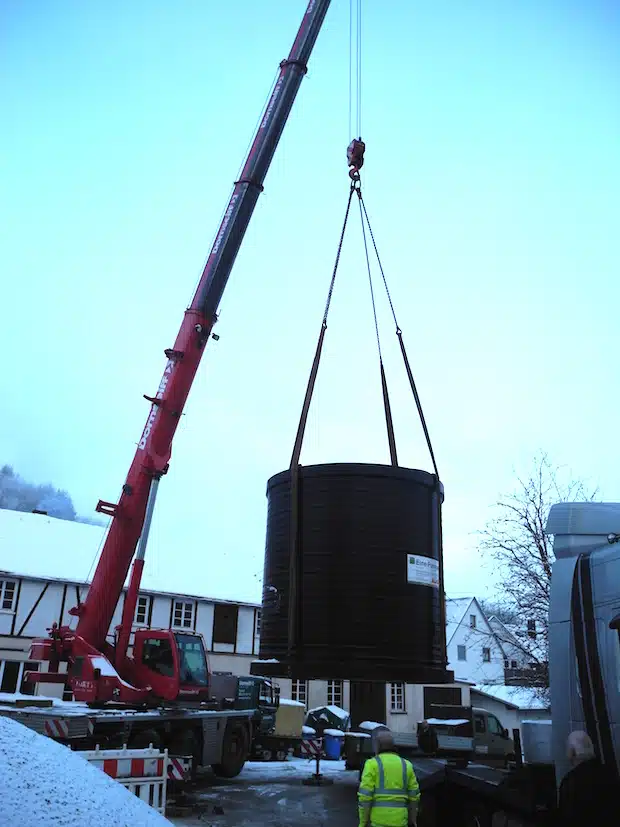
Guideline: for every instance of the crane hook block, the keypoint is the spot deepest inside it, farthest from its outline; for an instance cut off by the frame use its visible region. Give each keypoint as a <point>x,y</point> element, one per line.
<point>355,157</point>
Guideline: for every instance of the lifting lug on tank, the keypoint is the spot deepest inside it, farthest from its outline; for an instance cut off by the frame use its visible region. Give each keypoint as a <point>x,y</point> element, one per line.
<point>355,158</point>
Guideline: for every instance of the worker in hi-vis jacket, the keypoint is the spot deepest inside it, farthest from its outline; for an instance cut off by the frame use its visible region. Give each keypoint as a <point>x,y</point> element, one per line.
<point>389,792</point>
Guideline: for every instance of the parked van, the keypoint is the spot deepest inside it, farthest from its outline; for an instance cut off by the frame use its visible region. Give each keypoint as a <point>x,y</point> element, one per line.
<point>492,742</point>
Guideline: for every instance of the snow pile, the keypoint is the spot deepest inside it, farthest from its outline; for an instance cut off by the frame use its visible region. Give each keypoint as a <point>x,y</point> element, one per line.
<point>370,725</point>
<point>357,735</point>
<point>335,733</point>
<point>44,784</point>
<point>447,721</point>
<point>320,713</point>
<point>308,730</point>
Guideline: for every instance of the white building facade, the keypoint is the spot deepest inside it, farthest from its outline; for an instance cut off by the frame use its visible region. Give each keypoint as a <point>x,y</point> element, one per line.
<point>30,604</point>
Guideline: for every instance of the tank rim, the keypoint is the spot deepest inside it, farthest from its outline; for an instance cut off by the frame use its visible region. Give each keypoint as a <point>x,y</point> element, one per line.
<point>367,469</point>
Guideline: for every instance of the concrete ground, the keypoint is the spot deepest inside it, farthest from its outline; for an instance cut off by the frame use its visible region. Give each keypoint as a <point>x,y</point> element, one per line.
<point>272,795</point>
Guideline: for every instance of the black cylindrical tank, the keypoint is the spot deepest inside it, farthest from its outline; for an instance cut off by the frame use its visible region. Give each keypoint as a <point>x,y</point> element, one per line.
<point>364,599</point>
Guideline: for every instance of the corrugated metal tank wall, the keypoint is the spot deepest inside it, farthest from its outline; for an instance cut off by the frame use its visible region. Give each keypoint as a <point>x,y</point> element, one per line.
<point>367,598</point>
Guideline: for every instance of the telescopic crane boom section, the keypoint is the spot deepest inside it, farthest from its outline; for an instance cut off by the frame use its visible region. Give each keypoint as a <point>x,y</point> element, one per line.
<point>131,515</point>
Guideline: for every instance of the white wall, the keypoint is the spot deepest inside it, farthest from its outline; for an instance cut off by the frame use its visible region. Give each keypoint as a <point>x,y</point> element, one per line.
<point>237,664</point>
<point>476,639</point>
<point>50,606</point>
<point>245,630</point>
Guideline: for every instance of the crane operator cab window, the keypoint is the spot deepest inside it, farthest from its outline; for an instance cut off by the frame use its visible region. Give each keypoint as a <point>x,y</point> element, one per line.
<point>157,655</point>
<point>192,660</point>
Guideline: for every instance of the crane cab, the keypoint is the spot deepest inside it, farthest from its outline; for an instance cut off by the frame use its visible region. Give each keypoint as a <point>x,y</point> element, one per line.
<point>174,664</point>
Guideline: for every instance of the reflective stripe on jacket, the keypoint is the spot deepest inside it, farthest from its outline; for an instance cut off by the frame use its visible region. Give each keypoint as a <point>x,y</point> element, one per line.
<point>387,788</point>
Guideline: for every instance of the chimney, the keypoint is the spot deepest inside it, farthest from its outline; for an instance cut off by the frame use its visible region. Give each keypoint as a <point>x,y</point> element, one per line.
<point>38,511</point>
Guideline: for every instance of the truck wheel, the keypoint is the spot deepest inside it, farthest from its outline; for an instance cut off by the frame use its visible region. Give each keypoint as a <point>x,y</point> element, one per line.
<point>281,755</point>
<point>143,738</point>
<point>267,755</point>
<point>235,750</point>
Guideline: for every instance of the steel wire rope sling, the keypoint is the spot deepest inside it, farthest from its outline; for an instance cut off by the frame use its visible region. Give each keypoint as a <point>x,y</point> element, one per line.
<point>355,160</point>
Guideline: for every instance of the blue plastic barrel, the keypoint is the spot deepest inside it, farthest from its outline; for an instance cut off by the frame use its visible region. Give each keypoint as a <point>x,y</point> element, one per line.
<point>332,744</point>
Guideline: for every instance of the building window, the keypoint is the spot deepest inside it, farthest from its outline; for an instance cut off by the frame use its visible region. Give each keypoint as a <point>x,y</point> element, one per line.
<point>142,610</point>
<point>12,674</point>
<point>513,664</point>
<point>461,652</point>
<point>531,628</point>
<point>472,621</point>
<point>486,655</point>
<point>28,688</point>
<point>225,619</point>
<point>7,595</point>
<point>397,697</point>
<point>257,629</point>
<point>334,693</point>
<point>299,691</point>
<point>506,663</point>
<point>183,614</point>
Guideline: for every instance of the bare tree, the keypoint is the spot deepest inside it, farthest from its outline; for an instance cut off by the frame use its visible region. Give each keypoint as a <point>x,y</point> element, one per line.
<point>515,540</point>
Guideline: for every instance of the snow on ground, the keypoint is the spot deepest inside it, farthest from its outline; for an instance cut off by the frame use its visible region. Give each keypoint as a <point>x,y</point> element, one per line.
<point>44,784</point>
<point>259,771</point>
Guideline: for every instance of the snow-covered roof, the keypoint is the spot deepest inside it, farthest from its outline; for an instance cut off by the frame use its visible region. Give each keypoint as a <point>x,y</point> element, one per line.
<point>456,608</point>
<point>518,697</point>
<point>45,548</point>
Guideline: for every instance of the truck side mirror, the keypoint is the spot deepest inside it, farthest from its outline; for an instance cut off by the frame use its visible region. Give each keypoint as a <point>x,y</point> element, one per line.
<point>614,623</point>
<point>506,733</point>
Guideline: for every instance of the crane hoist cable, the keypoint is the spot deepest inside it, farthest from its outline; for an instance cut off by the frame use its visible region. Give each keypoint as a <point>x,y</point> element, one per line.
<point>355,159</point>
<point>355,68</point>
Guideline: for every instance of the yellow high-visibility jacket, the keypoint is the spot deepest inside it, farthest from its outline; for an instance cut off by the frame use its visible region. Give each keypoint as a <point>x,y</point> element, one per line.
<point>388,786</point>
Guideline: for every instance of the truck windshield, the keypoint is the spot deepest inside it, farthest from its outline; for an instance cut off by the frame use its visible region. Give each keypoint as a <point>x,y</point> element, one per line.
<point>192,660</point>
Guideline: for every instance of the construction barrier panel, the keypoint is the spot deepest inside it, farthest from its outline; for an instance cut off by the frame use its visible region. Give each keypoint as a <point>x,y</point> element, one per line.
<point>144,772</point>
<point>311,747</point>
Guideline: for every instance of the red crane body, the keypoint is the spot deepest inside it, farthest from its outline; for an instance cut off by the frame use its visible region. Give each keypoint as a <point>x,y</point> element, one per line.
<point>99,671</point>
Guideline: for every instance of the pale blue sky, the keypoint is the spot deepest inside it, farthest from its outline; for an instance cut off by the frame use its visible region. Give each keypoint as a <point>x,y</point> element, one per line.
<point>492,177</point>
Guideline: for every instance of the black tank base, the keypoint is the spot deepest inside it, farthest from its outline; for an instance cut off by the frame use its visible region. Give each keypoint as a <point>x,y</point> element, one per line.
<point>329,670</point>
<point>317,780</point>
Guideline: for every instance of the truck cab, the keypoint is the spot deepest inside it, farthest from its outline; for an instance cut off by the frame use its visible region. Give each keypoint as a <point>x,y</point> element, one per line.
<point>261,695</point>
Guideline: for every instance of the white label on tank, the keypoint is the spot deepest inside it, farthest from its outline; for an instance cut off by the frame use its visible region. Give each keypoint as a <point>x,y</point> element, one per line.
<point>423,570</point>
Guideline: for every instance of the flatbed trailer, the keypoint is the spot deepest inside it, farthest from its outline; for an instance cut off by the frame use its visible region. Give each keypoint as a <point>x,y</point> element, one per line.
<point>219,739</point>
<point>458,791</point>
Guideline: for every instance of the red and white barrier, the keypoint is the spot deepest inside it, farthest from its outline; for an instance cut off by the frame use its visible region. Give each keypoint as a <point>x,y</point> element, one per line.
<point>178,769</point>
<point>144,772</point>
<point>56,728</point>
<point>311,747</point>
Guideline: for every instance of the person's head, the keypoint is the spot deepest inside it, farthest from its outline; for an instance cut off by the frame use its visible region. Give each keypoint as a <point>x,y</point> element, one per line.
<point>384,741</point>
<point>579,747</point>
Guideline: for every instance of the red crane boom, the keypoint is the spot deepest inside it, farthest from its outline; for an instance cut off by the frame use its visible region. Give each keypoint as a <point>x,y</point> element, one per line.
<point>132,514</point>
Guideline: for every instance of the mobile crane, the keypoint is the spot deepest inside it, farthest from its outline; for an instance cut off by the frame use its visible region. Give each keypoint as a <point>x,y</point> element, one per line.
<point>167,667</point>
